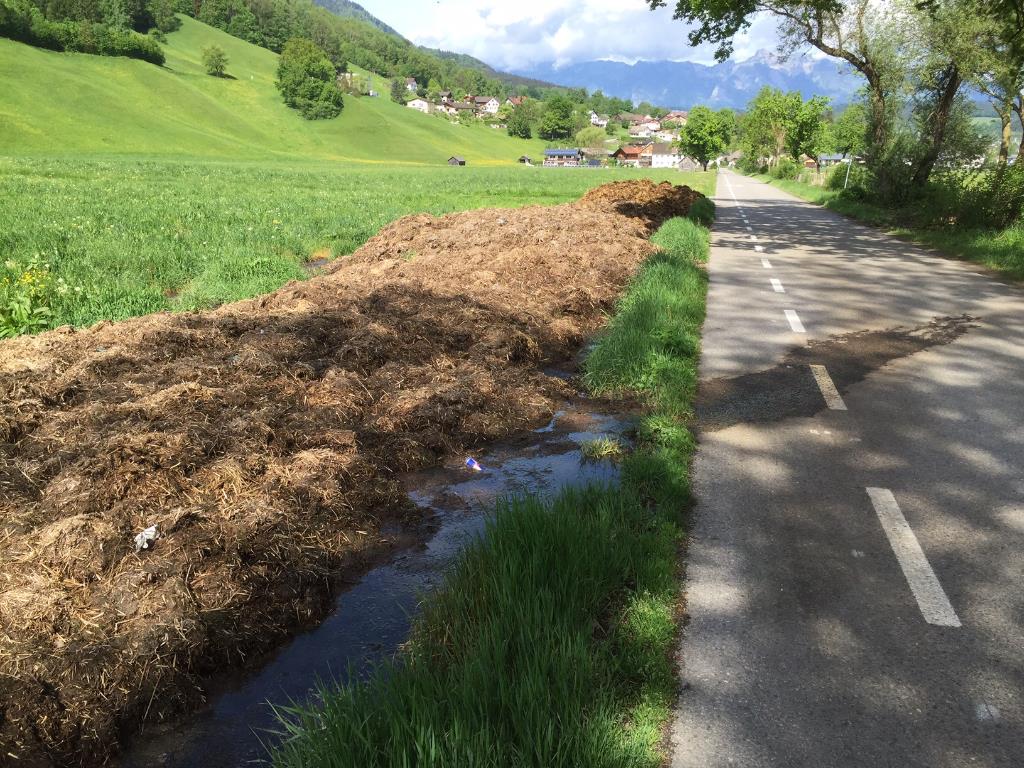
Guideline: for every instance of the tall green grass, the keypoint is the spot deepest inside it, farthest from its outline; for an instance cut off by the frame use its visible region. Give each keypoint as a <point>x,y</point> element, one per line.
<point>550,642</point>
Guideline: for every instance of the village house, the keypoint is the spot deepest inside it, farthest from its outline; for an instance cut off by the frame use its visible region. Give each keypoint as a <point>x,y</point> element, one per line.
<point>515,101</point>
<point>420,105</point>
<point>445,97</point>
<point>634,155</point>
<point>599,120</point>
<point>828,160</point>
<point>562,158</point>
<point>652,124</point>
<point>486,105</point>
<point>665,156</point>
<point>676,116</point>
<point>411,85</point>
<point>460,108</point>
<point>640,131</point>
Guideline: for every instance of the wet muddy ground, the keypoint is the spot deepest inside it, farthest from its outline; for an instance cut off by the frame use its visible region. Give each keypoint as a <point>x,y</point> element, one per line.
<point>371,619</point>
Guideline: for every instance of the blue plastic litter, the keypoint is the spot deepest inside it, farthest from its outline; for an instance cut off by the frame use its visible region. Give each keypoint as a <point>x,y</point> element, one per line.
<point>473,464</point>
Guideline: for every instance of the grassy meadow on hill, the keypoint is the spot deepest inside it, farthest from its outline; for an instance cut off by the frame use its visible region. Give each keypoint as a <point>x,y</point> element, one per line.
<point>68,103</point>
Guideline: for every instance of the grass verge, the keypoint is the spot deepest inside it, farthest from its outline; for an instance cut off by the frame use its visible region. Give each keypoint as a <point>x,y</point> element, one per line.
<point>1001,250</point>
<point>550,643</point>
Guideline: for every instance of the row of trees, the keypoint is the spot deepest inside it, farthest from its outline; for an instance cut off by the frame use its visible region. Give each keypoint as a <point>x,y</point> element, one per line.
<point>916,57</point>
<point>107,28</point>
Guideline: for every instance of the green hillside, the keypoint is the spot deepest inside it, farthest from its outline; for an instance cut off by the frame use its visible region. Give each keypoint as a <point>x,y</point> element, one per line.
<point>69,103</point>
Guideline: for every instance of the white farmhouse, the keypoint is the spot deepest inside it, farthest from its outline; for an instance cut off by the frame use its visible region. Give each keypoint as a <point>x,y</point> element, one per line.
<point>599,120</point>
<point>665,156</point>
<point>487,104</point>
<point>420,105</point>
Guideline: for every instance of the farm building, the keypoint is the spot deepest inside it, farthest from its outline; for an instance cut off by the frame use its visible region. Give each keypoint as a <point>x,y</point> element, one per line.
<point>456,160</point>
<point>525,160</point>
<point>411,85</point>
<point>827,161</point>
<point>554,158</point>
<point>665,156</point>
<point>486,104</point>
<point>634,155</point>
<point>461,107</point>
<point>421,105</point>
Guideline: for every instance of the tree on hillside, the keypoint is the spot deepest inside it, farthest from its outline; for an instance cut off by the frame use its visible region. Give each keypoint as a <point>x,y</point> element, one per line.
<point>398,91</point>
<point>519,123</point>
<point>705,136</point>
<point>215,60</point>
<point>591,138</point>
<point>558,121</point>
<point>307,80</point>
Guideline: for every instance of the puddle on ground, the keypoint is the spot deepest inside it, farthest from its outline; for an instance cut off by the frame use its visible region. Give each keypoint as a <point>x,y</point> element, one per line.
<point>371,619</point>
<point>789,389</point>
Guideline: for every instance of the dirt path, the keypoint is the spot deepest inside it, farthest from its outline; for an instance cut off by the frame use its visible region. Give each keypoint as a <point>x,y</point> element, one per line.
<point>263,439</point>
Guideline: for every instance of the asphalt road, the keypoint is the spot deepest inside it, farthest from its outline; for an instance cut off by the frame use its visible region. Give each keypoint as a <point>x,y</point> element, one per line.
<point>856,577</point>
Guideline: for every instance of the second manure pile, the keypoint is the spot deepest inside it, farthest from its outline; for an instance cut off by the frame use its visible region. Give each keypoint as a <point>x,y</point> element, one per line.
<point>263,440</point>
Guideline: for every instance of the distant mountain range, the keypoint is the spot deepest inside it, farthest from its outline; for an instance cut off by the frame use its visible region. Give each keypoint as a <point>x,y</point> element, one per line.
<point>681,84</point>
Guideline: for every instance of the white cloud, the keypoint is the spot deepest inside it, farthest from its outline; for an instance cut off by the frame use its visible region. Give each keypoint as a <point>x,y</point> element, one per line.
<point>511,35</point>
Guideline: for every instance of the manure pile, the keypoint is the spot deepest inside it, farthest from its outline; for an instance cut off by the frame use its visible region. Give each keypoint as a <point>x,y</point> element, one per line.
<point>263,440</point>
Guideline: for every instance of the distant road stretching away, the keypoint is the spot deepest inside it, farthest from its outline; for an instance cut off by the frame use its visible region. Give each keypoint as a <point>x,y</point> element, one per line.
<point>856,573</point>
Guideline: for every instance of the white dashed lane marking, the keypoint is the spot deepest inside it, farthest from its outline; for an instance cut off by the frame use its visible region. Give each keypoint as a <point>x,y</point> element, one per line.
<point>794,321</point>
<point>766,264</point>
<point>931,598</point>
<point>828,389</point>
<point>759,248</point>
<point>777,285</point>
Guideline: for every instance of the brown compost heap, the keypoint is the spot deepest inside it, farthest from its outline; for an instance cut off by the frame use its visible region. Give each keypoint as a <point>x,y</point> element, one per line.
<point>263,440</point>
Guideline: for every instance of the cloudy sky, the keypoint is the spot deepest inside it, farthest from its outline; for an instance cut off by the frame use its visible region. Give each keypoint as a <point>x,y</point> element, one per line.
<point>510,34</point>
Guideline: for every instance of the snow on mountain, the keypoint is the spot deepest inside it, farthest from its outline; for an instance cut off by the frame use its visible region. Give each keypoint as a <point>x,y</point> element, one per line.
<point>682,84</point>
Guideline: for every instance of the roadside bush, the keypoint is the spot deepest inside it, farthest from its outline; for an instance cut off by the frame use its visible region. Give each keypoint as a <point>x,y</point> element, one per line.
<point>786,168</point>
<point>1005,195</point>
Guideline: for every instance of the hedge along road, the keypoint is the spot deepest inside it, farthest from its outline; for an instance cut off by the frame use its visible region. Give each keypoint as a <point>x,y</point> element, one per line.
<point>858,544</point>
